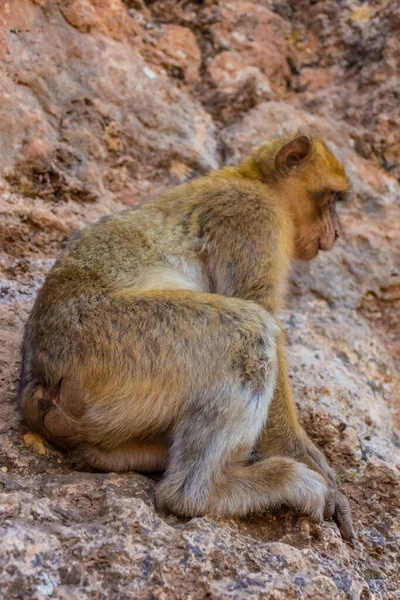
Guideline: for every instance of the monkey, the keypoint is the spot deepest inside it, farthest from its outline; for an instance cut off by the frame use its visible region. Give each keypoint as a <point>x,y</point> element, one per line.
<point>155,343</point>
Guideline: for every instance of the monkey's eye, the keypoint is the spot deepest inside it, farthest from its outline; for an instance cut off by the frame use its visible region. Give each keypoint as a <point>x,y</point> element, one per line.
<point>337,197</point>
<point>341,197</point>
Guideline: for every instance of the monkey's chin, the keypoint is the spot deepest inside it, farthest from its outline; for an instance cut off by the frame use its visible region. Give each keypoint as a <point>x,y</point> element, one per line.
<point>307,255</point>
<point>310,257</point>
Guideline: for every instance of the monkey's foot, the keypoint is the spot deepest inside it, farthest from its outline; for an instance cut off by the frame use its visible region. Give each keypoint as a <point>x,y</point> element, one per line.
<point>342,510</point>
<point>335,506</point>
<point>312,495</point>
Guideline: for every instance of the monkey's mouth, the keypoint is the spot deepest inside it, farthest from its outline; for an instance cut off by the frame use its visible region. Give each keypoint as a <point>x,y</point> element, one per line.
<point>322,245</point>
<point>325,246</point>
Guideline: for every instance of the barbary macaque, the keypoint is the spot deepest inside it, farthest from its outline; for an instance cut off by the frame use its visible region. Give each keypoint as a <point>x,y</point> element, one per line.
<point>155,342</point>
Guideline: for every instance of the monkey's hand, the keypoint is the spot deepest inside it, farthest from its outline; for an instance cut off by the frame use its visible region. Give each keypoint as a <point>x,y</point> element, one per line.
<point>299,446</point>
<point>342,513</point>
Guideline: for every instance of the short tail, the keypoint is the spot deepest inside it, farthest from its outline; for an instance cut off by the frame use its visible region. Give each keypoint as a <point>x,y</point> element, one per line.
<point>34,402</point>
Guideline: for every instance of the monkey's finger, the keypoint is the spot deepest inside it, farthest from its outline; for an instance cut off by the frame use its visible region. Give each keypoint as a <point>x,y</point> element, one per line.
<point>343,517</point>
<point>330,505</point>
<point>329,474</point>
<point>316,455</point>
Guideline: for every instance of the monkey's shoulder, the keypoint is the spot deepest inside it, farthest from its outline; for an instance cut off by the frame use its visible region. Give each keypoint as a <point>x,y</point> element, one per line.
<point>240,204</point>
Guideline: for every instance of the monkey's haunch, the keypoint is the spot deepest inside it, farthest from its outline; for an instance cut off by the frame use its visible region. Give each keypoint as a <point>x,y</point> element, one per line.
<point>59,424</point>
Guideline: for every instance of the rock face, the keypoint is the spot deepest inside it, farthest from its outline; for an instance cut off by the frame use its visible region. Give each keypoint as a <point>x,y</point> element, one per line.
<point>103,105</point>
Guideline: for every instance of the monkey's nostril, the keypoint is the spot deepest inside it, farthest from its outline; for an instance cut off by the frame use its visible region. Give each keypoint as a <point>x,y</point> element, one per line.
<point>337,234</point>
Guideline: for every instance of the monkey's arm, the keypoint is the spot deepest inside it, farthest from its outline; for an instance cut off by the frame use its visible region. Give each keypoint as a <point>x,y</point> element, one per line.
<point>249,257</point>
<point>284,436</point>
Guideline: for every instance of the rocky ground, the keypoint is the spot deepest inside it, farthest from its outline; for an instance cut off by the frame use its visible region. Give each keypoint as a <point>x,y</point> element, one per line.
<point>105,103</point>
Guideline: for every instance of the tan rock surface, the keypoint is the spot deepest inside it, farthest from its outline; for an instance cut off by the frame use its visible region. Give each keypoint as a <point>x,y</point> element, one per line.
<point>103,104</point>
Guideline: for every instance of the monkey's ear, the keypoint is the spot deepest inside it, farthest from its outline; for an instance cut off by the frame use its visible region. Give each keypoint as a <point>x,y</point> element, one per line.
<point>292,154</point>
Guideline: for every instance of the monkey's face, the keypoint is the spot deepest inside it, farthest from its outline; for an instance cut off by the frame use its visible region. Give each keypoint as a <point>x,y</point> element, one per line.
<point>321,230</point>
<point>313,181</point>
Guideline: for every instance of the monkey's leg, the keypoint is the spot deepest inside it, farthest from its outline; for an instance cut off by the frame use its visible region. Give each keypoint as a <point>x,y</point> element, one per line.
<point>212,442</point>
<point>207,473</point>
<point>64,427</point>
<point>201,368</point>
<point>63,423</point>
<point>284,436</point>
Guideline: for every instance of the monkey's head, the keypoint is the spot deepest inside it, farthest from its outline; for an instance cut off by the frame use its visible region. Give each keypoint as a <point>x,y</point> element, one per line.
<point>312,181</point>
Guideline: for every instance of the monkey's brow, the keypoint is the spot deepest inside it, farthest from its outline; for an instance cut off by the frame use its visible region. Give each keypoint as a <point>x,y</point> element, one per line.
<point>341,194</point>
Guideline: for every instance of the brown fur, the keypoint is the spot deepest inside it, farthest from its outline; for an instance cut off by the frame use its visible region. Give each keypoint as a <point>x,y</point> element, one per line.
<point>154,342</point>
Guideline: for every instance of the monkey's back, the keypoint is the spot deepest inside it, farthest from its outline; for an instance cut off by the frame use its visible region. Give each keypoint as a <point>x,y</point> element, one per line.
<point>84,308</point>
<point>110,259</point>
